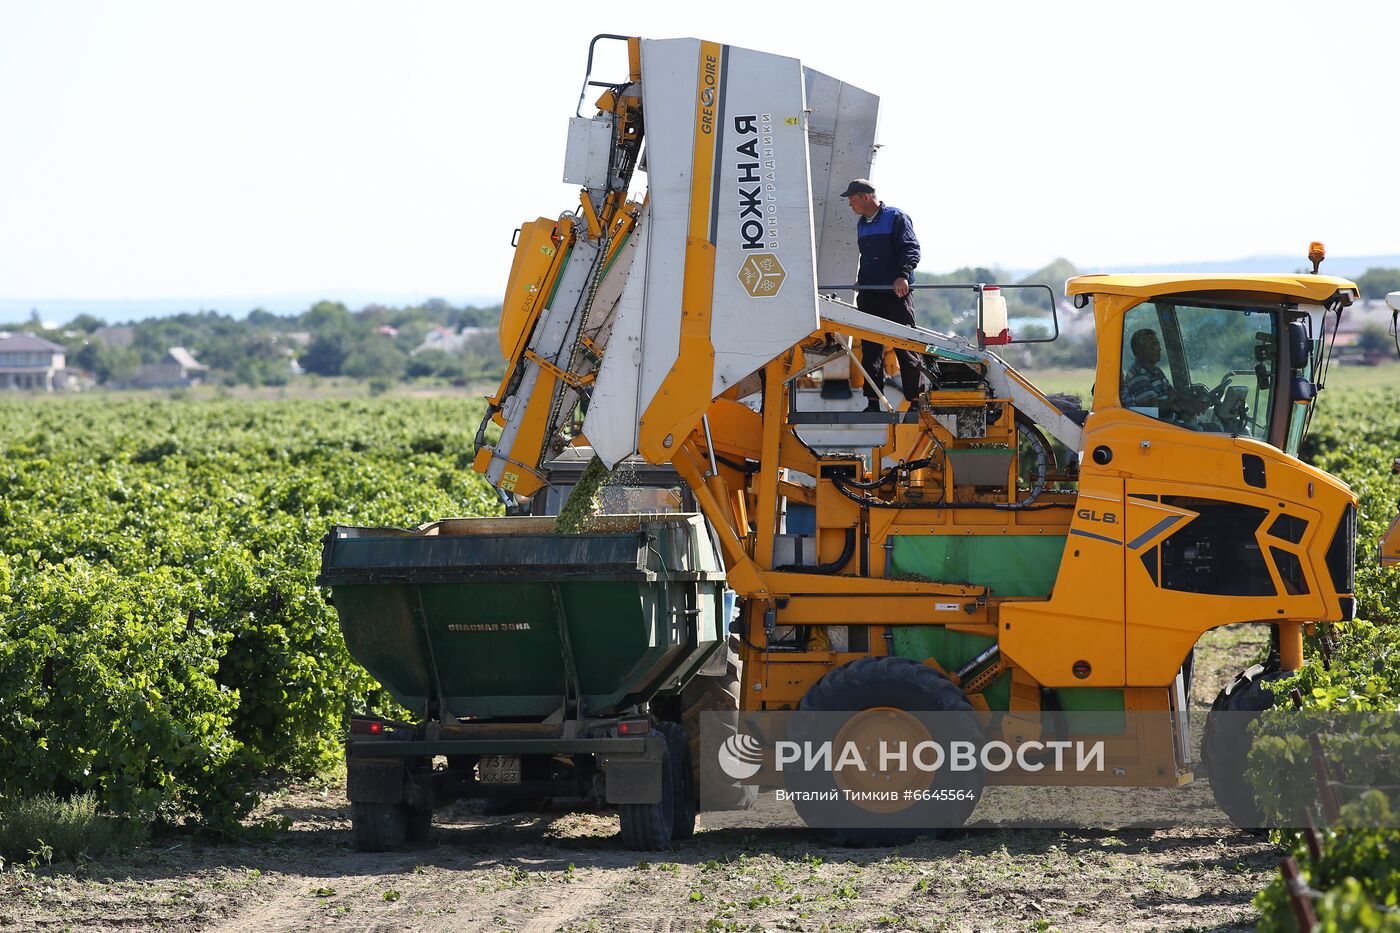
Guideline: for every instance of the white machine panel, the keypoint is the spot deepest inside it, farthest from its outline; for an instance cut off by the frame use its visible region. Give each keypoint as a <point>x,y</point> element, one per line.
<point>587,152</point>
<point>765,268</point>
<point>611,422</point>
<point>841,127</point>
<point>841,124</point>
<point>753,204</point>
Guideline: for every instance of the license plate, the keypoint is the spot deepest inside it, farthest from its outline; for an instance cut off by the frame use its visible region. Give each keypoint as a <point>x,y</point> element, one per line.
<point>499,769</point>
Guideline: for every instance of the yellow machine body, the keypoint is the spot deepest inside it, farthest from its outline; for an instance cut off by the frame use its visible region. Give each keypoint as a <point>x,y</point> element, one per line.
<point>1088,582</point>
<point>539,254</point>
<point>1390,544</point>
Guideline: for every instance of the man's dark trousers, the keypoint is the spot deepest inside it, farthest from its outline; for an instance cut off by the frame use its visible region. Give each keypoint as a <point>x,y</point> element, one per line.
<point>891,307</point>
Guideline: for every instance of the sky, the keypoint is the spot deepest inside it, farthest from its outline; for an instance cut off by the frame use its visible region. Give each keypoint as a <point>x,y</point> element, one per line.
<point>205,150</point>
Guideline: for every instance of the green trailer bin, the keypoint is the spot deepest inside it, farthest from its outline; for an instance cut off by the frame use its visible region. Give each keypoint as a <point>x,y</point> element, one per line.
<point>528,660</point>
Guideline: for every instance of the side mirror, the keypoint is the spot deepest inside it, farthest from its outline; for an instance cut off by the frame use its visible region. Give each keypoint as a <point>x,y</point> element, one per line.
<point>1299,346</point>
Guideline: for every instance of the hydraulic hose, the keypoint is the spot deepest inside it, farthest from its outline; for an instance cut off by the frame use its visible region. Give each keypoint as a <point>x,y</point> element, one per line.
<point>890,474</point>
<point>847,550</point>
<point>1024,504</point>
<point>481,428</point>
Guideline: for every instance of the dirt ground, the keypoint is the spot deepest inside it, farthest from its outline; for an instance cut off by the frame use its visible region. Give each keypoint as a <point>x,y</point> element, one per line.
<point>566,871</point>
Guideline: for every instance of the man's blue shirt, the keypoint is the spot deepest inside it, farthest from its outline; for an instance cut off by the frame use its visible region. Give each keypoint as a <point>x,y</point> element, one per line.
<point>888,247</point>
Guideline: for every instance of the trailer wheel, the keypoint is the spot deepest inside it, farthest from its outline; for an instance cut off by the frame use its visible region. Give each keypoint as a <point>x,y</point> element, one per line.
<point>1225,742</point>
<point>379,827</point>
<point>647,827</point>
<point>420,824</point>
<point>719,694</point>
<point>684,794</point>
<point>892,687</point>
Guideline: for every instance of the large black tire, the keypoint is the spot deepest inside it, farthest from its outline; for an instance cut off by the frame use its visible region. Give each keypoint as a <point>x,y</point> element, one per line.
<point>901,684</point>
<point>1225,742</point>
<point>420,824</point>
<point>647,827</point>
<point>715,694</point>
<point>379,827</point>
<point>684,796</point>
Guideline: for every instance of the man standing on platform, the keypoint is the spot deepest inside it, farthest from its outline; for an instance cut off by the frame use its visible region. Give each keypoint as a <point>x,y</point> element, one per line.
<point>889,253</point>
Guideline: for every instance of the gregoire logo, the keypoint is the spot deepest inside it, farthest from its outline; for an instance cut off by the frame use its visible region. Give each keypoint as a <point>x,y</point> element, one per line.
<point>762,275</point>
<point>740,756</point>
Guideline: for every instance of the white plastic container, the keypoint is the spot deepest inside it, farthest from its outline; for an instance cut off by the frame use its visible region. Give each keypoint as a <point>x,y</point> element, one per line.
<point>993,329</point>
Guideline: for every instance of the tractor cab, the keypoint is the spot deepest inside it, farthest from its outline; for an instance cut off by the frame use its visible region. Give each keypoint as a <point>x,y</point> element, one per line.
<point>1242,356</point>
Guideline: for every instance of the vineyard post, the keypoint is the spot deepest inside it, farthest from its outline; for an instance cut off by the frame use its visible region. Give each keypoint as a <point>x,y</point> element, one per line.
<point>1314,840</point>
<point>1298,894</point>
<point>1331,812</point>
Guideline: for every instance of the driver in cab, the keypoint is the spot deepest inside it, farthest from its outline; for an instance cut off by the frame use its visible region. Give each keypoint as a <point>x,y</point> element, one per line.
<point>1146,386</point>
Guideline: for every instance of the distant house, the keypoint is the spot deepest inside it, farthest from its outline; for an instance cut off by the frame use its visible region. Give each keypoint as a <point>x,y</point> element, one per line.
<point>29,362</point>
<point>177,369</point>
<point>1367,314</point>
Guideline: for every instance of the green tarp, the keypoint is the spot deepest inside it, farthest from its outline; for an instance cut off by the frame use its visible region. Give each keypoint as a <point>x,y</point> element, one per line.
<point>1008,565</point>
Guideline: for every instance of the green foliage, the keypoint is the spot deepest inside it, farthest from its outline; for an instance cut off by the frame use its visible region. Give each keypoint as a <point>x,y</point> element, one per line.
<point>1378,282</point>
<point>376,357</point>
<point>329,338</point>
<point>1374,340</point>
<point>1355,436</point>
<point>327,316</point>
<point>85,323</point>
<point>45,827</point>
<point>113,677</point>
<point>107,363</point>
<point>436,363</point>
<point>326,354</point>
<point>951,310</point>
<point>481,357</point>
<point>163,644</point>
<point>1358,876</point>
<point>955,311</point>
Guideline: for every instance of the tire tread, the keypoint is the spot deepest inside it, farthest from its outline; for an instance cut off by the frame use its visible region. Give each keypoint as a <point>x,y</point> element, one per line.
<point>646,827</point>
<point>1225,750</point>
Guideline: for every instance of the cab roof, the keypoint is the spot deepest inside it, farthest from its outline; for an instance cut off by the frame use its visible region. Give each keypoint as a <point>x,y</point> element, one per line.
<point>1302,286</point>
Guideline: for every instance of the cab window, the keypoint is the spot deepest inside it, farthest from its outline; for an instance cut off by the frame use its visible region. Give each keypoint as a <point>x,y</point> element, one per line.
<point>1200,366</point>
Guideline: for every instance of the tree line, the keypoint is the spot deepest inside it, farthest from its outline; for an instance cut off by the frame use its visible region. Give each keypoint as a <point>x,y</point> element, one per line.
<point>388,345</point>
<point>328,339</point>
